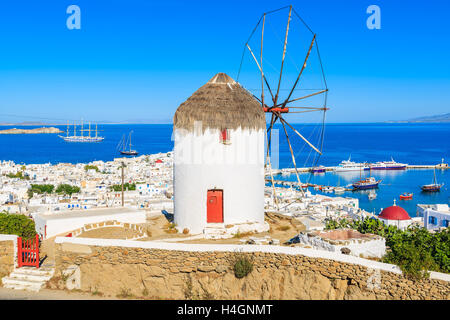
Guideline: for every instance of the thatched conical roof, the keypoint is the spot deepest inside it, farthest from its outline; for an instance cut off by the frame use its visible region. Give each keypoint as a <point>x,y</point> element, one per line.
<point>220,104</point>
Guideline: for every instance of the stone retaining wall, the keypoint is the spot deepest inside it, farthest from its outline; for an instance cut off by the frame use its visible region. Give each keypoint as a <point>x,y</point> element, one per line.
<point>7,255</point>
<point>177,274</point>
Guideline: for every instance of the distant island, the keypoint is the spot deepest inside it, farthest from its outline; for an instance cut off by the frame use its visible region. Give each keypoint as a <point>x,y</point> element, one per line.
<point>430,119</point>
<point>31,131</point>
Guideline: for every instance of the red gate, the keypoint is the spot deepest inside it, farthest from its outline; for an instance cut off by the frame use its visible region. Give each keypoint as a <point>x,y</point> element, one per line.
<point>28,252</point>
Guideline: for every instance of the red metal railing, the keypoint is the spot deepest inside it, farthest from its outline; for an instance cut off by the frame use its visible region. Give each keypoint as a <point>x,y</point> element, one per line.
<point>28,252</point>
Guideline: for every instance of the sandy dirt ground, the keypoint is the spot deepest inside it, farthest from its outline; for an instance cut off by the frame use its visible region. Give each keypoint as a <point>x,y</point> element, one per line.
<point>159,227</point>
<point>110,233</point>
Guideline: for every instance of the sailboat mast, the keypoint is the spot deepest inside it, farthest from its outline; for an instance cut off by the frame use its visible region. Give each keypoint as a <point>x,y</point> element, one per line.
<point>130,141</point>
<point>67,127</point>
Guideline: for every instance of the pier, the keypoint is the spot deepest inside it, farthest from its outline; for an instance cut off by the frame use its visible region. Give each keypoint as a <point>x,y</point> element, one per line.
<point>442,166</point>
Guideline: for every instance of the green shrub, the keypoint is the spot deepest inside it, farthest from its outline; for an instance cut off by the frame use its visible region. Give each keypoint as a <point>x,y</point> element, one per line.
<point>415,250</point>
<point>242,266</point>
<point>89,167</point>
<point>41,188</point>
<point>118,187</point>
<point>67,189</point>
<point>17,224</point>
<point>18,174</point>
<point>414,262</point>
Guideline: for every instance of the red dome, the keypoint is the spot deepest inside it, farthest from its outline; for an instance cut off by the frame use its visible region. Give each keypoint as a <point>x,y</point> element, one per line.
<point>158,161</point>
<point>394,213</point>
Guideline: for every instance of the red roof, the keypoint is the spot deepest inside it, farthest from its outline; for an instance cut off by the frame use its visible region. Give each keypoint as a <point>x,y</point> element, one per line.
<point>394,213</point>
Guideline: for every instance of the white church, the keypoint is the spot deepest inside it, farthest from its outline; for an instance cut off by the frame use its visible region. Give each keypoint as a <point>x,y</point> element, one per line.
<point>219,135</point>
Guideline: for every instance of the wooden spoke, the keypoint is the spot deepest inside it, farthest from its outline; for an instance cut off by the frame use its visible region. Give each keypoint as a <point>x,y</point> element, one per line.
<point>262,73</point>
<point>284,53</point>
<point>298,133</point>
<point>274,194</point>
<point>304,97</point>
<point>262,70</point>
<point>270,136</point>
<point>312,108</point>
<point>301,71</point>
<point>293,158</point>
<point>304,111</point>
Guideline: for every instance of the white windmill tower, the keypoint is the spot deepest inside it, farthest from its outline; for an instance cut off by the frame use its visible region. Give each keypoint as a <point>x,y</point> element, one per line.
<point>219,160</point>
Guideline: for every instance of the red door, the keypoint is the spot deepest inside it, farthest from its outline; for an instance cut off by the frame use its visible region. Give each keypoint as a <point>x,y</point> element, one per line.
<point>214,206</point>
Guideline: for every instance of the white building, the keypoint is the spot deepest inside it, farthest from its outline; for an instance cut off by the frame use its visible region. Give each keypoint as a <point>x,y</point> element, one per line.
<point>359,245</point>
<point>435,216</point>
<point>50,224</point>
<point>219,158</point>
<point>395,216</point>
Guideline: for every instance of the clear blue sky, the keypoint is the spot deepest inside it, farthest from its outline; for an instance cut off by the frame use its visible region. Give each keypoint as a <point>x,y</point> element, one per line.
<point>140,59</point>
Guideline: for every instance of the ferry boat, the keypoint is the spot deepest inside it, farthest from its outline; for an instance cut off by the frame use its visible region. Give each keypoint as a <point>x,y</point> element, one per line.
<point>367,183</point>
<point>348,165</point>
<point>388,165</point>
<point>319,169</point>
<point>122,144</point>
<point>433,187</point>
<point>406,196</point>
<point>82,137</point>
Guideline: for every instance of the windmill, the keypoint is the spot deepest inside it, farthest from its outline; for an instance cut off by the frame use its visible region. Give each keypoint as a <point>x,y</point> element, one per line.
<point>281,104</point>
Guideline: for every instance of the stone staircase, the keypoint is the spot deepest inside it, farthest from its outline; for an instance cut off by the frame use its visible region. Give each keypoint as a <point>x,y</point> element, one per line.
<point>28,278</point>
<point>216,231</point>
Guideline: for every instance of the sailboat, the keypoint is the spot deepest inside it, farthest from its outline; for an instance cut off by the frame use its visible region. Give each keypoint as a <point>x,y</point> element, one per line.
<point>81,137</point>
<point>433,187</point>
<point>123,144</point>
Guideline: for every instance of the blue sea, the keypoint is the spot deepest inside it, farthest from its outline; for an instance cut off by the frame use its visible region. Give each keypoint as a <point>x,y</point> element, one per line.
<point>407,143</point>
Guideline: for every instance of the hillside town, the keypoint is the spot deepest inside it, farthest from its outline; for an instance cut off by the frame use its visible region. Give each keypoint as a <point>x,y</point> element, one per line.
<point>148,186</point>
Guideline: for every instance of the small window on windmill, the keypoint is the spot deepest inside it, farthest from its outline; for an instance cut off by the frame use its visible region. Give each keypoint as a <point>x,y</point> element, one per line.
<point>225,136</point>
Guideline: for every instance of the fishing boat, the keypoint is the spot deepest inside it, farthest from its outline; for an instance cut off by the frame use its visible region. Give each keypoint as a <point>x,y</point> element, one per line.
<point>406,196</point>
<point>319,169</point>
<point>348,165</point>
<point>433,187</point>
<point>82,137</point>
<point>339,190</point>
<point>367,183</point>
<point>123,144</point>
<point>388,165</point>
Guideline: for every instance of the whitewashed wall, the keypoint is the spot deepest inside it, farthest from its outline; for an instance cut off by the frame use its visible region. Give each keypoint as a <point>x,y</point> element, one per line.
<point>202,162</point>
<point>58,223</point>
<point>358,247</point>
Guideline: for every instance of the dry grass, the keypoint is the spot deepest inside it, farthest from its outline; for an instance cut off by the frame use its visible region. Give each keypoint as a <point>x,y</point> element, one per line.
<point>284,228</point>
<point>239,235</point>
<point>170,228</point>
